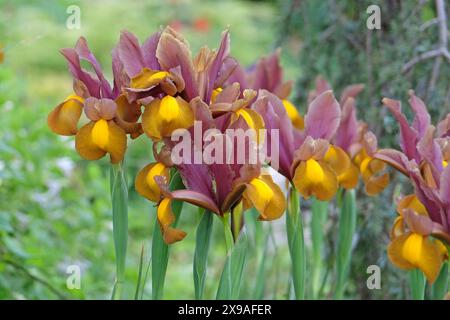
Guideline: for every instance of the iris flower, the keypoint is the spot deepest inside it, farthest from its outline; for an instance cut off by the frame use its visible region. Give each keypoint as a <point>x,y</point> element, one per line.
<point>164,77</point>
<point>357,141</point>
<point>217,187</point>
<point>229,100</point>
<point>411,245</point>
<point>307,158</point>
<point>111,116</point>
<point>423,160</point>
<point>201,94</point>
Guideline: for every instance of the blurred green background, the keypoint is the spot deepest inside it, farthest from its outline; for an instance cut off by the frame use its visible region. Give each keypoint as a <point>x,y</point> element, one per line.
<point>55,207</point>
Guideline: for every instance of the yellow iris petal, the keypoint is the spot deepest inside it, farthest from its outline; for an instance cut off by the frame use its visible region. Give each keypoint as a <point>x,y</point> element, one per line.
<point>337,159</point>
<point>315,178</point>
<point>147,78</point>
<point>100,134</point>
<point>370,169</point>
<point>349,179</point>
<point>266,196</point>
<point>64,118</point>
<point>292,112</point>
<point>166,218</point>
<point>412,250</point>
<point>265,193</point>
<point>314,171</point>
<point>163,116</point>
<point>84,144</point>
<point>95,139</point>
<point>444,163</point>
<point>157,170</point>
<point>145,180</point>
<point>169,109</point>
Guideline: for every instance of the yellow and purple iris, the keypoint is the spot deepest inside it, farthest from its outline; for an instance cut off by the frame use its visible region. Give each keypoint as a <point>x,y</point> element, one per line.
<point>357,141</point>
<point>307,158</point>
<point>411,245</point>
<point>426,213</point>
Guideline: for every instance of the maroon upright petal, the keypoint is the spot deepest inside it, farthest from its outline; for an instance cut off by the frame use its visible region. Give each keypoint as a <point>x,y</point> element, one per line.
<point>121,79</point>
<point>443,127</point>
<point>422,120</point>
<point>173,51</point>
<point>428,196</point>
<point>322,85</point>
<point>351,91</point>
<point>216,64</point>
<point>347,133</point>
<point>268,73</point>
<point>323,116</point>
<point>408,135</point>
<point>238,75</point>
<point>149,51</point>
<point>130,53</point>
<point>229,71</point>
<point>93,85</point>
<point>85,53</point>
<point>430,150</point>
<point>275,118</point>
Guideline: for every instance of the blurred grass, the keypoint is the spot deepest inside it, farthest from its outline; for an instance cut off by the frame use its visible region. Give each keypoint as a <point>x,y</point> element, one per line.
<point>54,206</point>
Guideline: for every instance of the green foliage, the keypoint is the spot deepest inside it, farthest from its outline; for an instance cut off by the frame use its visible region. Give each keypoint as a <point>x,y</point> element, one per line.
<point>202,244</point>
<point>347,226</point>
<point>231,279</point>
<point>296,243</point>
<point>119,201</point>
<point>160,250</point>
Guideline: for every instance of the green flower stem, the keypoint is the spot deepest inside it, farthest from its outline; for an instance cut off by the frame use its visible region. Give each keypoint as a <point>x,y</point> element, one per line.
<point>229,242</point>
<point>231,278</point>
<point>296,243</point>
<point>319,215</point>
<point>119,198</point>
<point>439,288</point>
<point>202,244</point>
<point>347,226</point>
<point>417,284</point>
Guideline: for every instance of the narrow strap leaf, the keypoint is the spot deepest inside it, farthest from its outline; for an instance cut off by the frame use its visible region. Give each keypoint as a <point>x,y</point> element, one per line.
<point>231,278</point>
<point>160,250</point>
<point>347,226</point>
<point>261,274</point>
<point>439,288</point>
<point>119,198</point>
<point>139,280</point>
<point>417,283</point>
<point>296,244</point>
<point>318,218</point>
<point>202,244</point>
